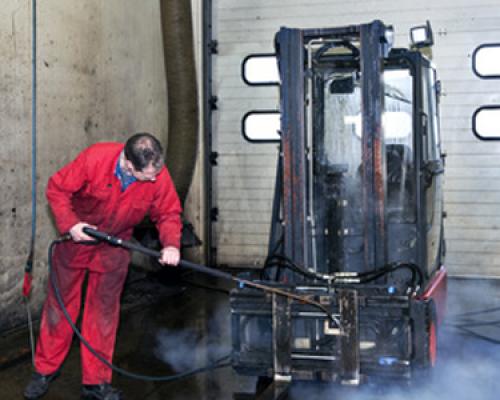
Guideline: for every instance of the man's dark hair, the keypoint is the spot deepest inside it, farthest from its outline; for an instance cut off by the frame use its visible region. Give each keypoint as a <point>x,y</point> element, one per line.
<point>143,149</point>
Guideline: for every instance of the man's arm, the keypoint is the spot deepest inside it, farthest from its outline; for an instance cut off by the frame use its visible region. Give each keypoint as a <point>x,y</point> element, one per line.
<point>60,188</point>
<point>165,213</point>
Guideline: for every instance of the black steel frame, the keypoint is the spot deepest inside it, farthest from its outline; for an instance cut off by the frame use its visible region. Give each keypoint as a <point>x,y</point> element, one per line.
<point>209,48</point>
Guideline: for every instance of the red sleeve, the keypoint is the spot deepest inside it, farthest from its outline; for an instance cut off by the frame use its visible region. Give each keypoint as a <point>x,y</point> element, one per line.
<point>166,211</point>
<point>60,189</point>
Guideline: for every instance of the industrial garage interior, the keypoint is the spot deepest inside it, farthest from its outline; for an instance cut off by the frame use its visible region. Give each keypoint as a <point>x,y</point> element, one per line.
<point>330,256</point>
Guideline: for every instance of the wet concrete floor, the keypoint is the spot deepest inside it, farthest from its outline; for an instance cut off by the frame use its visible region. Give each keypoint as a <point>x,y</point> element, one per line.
<point>190,327</point>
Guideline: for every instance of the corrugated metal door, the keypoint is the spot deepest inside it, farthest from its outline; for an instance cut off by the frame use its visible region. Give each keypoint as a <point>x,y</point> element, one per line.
<point>244,177</point>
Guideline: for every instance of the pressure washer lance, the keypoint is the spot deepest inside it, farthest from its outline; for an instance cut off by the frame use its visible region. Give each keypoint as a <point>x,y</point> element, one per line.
<point>115,241</point>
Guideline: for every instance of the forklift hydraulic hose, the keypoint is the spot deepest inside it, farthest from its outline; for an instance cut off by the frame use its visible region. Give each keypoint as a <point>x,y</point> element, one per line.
<point>209,271</point>
<point>278,260</point>
<point>215,365</point>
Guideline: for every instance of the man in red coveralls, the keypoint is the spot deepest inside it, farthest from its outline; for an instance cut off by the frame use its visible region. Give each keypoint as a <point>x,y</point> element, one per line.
<point>109,187</point>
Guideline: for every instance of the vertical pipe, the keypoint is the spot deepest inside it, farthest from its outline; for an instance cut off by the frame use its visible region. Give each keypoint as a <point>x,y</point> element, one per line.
<point>33,123</point>
<point>210,255</point>
<point>29,262</point>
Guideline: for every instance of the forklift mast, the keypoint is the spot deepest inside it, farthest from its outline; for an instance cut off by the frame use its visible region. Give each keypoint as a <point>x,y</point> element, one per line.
<point>357,216</point>
<point>297,142</point>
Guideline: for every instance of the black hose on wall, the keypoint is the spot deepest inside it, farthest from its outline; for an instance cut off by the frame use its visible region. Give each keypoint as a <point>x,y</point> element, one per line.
<point>178,44</point>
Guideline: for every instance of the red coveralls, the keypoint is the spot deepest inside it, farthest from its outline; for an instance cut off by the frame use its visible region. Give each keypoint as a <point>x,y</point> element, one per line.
<point>87,190</point>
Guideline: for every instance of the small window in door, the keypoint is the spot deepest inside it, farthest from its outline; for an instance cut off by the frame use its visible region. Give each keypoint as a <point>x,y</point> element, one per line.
<point>260,126</point>
<point>486,61</point>
<point>486,122</point>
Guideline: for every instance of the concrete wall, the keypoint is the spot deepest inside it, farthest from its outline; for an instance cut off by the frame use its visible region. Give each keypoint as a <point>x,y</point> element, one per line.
<point>101,77</point>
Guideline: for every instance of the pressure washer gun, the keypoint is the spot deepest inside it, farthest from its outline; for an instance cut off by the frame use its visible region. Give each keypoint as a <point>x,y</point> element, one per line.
<point>116,241</point>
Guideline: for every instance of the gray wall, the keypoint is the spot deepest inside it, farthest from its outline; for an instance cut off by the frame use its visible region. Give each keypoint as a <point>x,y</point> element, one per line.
<point>101,77</point>
<point>245,177</point>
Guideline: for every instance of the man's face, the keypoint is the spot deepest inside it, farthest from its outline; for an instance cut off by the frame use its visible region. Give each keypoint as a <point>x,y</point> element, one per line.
<point>148,173</point>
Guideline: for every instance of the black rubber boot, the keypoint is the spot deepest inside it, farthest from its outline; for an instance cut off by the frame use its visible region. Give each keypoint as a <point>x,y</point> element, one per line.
<point>39,385</point>
<point>103,391</point>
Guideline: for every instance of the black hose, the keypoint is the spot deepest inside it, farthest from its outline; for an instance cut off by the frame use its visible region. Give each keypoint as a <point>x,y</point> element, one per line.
<point>279,260</point>
<point>293,267</point>
<point>375,274</point>
<point>186,264</point>
<point>282,261</point>
<point>215,365</point>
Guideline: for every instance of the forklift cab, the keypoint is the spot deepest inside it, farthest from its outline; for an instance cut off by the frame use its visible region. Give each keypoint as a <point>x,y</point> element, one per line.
<point>403,161</point>
<point>357,220</point>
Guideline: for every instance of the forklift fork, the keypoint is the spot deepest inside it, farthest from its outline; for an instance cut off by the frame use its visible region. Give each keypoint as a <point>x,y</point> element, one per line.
<point>349,339</point>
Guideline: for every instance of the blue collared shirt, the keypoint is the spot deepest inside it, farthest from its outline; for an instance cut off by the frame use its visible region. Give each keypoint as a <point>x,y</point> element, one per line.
<point>125,179</point>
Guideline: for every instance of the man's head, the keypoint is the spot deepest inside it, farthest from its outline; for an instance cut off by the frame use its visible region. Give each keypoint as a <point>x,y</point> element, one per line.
<point>143,156</point>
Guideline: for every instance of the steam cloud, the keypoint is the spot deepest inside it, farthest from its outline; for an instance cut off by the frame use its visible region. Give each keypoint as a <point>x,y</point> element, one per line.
<point>189,348</point>
<point>468,366</point>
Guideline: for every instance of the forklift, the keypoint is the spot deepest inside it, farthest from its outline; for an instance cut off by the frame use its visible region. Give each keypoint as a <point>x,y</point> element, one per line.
<point>357,224</point>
